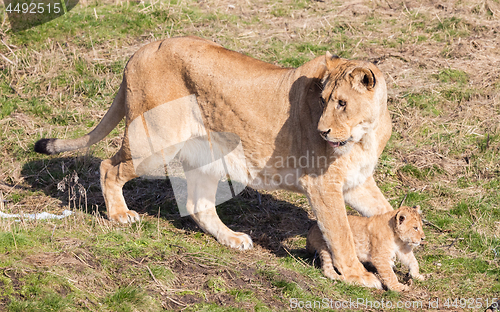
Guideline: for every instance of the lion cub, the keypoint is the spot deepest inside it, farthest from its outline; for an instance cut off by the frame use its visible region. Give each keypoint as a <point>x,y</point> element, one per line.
<point>378,240</point>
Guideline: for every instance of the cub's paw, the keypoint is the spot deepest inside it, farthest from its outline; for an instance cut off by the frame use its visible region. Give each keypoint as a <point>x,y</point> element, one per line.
<point>418,276</point>
<point>366,279</point>
<point>129,216</point>
<point>331,273</point>
<point>236,240</point>
<point>398,287</point>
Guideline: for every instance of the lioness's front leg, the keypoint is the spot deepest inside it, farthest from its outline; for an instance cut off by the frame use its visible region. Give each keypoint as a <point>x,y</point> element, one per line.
<point>316,243</point>
<point>328,204</point>
<point>202,189</point>
<point>367,199</point>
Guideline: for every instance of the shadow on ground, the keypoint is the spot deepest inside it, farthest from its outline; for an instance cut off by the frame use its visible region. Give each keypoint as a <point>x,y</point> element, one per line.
<point>74,181</point>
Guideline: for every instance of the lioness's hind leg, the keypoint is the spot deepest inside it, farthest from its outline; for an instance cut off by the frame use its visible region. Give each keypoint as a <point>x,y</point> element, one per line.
<point>114,174</point>
<point>202,189</point>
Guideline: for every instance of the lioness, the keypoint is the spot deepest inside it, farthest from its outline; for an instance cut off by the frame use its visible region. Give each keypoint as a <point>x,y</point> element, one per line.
<point>331,111</point>
<point>378,239</point>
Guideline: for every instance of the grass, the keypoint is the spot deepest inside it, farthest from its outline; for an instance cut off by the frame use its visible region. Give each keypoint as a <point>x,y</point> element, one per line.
<point>60,78</point>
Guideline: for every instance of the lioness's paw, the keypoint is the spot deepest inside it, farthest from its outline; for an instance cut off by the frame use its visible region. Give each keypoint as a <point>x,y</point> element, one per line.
<point>129,216</point>
<point>366,279</point>
<point>237,240</point>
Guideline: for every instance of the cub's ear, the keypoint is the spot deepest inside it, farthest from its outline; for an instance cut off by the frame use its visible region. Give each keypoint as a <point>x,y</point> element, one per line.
<point>362,79</point>
<point>331,61</point>
<point>400,218</point>
<point>417,207</point>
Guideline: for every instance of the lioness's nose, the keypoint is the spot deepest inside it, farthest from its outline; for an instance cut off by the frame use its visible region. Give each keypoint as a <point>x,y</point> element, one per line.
<point>324,133</point>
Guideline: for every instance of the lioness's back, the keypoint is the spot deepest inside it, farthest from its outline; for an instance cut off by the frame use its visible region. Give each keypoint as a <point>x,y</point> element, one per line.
<point>192,54</point>
<point>230,87</point>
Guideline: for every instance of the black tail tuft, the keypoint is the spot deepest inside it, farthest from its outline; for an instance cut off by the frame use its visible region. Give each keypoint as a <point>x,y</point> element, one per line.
<point>45,146</point>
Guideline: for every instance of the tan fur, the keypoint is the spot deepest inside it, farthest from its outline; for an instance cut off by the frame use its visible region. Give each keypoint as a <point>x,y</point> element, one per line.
<point>276,113</point>
<point>378,239</point>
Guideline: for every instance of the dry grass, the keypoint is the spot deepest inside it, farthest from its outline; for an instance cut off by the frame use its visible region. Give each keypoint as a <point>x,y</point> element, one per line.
<point>440,61</point>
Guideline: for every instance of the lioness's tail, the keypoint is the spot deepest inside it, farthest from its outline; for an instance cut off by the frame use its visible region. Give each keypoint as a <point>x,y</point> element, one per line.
<point>113,116</point>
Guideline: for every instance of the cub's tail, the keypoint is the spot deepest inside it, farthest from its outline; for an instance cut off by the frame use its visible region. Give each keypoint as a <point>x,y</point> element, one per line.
<point>113,116</point>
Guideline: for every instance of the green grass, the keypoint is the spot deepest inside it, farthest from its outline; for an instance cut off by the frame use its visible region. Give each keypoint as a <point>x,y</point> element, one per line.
<point>453,76</point>
<point>421,174</point>
<point>126,299</point>
<point>81,26</point>
<point>425,102</point>
<point>450,27</point>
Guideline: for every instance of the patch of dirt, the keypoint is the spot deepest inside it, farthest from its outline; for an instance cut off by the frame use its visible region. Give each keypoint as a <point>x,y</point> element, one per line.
<point>425,158</point>
<point>68,243</point>
<point>193,272</point>
<point>49,259</point>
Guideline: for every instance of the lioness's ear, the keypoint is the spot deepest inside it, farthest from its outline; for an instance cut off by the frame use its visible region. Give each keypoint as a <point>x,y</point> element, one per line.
<point>417,207</point>
<point>331,61</point>
<point>362,79</point>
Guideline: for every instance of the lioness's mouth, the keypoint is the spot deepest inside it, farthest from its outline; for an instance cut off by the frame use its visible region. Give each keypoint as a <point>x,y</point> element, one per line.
<point>337,144</point>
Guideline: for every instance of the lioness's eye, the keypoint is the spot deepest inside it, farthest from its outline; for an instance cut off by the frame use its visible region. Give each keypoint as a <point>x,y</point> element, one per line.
<point>416,229</point>
<point>341,104</point>
<point>322,102</point>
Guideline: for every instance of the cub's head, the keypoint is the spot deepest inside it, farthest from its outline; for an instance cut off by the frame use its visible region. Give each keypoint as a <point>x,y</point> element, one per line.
<point>408,225</point>
<point>354,96</point>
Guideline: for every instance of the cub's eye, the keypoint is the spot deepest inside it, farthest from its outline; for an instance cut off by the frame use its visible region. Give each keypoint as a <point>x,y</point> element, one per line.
<point>341,104</point>
<point>416,229</point>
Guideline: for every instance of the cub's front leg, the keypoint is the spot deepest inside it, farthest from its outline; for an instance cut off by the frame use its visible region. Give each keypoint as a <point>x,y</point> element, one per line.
<point>381,258</point>
<point>328,204</point>
<point>408,259</point>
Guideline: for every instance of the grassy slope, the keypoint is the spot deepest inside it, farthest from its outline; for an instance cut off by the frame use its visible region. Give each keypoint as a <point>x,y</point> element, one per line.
<point>441,66</point>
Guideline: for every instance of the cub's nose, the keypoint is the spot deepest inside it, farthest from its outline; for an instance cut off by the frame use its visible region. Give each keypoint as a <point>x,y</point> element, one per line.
<point>423,242</point>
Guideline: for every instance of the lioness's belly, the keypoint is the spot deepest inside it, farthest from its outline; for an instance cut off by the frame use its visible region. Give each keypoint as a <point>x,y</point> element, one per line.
<point>272,179</point>
<point>274,175</point>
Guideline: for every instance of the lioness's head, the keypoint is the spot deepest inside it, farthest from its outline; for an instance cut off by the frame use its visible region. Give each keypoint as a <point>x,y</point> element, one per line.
<point>408,225</point>
<point>354,94</point>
